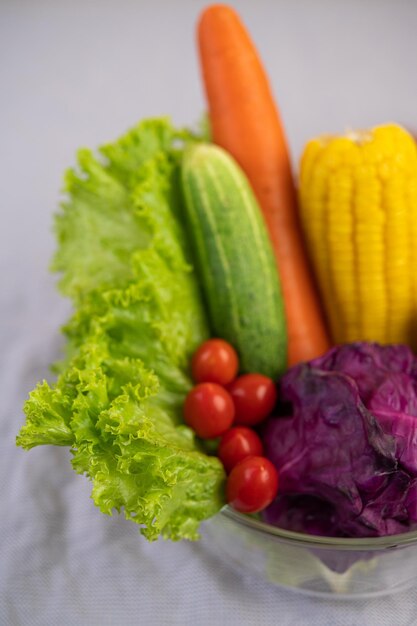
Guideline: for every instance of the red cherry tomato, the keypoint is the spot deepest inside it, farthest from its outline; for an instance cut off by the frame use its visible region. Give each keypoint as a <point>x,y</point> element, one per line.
<point>252,485</point>
<point>238,443</point>
<point>215,361</point>
<point>209,410</point>
<point>254,397</point>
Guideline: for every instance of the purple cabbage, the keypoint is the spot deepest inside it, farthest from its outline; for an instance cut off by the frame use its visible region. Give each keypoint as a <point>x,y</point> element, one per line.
<point>347,454</point>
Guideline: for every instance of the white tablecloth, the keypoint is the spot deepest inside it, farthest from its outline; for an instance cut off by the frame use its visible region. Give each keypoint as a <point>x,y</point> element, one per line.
<point>80,72</point>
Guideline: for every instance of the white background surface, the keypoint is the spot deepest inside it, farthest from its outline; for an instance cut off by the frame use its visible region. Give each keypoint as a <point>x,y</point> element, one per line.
<point>80,72</point>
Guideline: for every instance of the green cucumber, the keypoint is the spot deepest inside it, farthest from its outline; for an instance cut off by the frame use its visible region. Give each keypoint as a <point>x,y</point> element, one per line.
<point>234,259</point>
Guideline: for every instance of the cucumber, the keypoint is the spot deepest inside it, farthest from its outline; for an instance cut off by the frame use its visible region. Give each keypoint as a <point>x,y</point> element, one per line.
<point>234,259</point>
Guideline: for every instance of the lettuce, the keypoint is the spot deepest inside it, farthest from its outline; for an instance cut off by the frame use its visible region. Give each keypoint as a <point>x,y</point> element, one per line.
<point>347,454</point>
<point>117,402</point>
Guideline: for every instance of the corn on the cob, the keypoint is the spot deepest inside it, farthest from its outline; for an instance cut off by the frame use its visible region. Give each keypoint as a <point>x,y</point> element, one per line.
<point>358,203</point>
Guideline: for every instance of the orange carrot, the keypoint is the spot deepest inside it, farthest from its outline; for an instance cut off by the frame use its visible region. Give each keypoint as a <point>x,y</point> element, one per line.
<point>245,121</point>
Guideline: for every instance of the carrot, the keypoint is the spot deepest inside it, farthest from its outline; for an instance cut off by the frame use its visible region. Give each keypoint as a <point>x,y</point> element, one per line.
<point>245,121</point>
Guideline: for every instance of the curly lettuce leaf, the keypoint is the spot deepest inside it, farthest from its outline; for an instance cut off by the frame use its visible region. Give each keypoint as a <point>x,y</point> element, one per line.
<point>117,402</point>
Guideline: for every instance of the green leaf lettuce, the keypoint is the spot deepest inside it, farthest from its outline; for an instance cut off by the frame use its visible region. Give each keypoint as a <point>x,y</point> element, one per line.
<point>117,403</point>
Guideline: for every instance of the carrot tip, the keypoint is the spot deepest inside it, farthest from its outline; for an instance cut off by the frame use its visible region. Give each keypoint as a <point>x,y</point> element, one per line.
<point>215,13</point>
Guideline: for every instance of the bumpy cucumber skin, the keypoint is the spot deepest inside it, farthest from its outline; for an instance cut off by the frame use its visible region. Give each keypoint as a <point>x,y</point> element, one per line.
<point>234,259</point>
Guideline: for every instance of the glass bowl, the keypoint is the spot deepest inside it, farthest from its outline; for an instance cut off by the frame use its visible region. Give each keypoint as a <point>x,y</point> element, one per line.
<point>319,566</point>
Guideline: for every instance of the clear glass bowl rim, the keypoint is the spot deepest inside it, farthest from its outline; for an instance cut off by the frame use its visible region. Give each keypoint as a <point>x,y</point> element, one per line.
<point>311,541</point>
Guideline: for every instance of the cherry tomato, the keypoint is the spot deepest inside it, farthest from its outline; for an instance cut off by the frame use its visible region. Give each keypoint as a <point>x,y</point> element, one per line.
<point>215,361</point>
<point>254,397</point>
<point>252,485</point>
<point>238,443</point>
<point>209,410</point>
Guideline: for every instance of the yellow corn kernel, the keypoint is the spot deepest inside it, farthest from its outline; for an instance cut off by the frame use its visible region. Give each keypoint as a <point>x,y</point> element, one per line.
<point>358,207</point>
